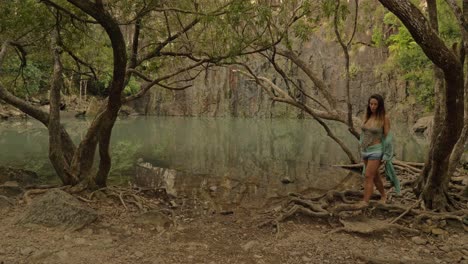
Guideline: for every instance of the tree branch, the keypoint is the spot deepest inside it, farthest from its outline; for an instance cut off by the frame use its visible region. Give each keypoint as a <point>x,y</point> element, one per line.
<point>73,16</point>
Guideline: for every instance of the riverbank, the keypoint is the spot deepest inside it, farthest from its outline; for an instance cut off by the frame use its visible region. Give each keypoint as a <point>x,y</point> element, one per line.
<point>185,230</point>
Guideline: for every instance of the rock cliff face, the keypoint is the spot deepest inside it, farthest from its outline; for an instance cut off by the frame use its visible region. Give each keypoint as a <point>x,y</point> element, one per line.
<point>220,92</point>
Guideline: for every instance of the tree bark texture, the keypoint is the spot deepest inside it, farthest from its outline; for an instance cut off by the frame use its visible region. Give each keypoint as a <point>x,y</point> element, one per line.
<point>100,129</point>
<point>434,191</point>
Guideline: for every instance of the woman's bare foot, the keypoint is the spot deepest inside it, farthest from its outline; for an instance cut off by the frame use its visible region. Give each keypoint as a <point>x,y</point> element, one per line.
<point>361,204</point>
<point>383,199</point>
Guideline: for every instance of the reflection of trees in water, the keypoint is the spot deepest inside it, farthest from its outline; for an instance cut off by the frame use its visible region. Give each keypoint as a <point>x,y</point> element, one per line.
<point>242,148</point>
<point>238,148</point>
<point>226,192</point>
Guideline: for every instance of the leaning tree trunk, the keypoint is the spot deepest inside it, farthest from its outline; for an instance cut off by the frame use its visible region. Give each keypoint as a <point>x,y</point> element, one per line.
<point>435,188</point>
<point>100,129</point>
<point>56,154</point>
<point>65,147</point>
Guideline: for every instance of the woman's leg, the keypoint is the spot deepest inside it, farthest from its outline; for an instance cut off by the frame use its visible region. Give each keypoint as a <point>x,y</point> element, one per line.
<point>379,184</point>
<point>372,169</point>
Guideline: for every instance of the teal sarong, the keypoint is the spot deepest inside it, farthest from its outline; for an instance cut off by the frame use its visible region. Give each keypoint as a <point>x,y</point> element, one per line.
<point>386,147</point>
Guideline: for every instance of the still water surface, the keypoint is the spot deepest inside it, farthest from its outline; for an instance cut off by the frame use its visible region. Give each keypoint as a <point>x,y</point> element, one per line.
<point>212,152</point>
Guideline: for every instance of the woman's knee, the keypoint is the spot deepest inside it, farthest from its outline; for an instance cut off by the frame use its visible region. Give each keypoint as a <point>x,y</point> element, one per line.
<point>369,176</point>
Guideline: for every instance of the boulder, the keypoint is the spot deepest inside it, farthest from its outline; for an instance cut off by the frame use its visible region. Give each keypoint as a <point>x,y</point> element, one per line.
<point>10,189</point>
<point>424,126</point>
<point>149,176</point>
<point>22,177</point>
<point>58,209</point>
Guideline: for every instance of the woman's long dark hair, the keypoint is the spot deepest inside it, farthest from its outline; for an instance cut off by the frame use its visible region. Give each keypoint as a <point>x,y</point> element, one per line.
<point>380,112</point>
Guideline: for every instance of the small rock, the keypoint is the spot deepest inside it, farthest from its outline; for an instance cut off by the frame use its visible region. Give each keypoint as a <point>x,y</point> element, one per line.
<point>443,223</point>
<point>80,241</point>
<point>258,256</point>
<point>249,245</point>
<point>107,241</point>
<point>418,240</point>
<point>438,231</point>
<point>425,251</point>
<point>63,255</point>
<point>286,180</point>
<point>26,251</point>
<point>445,248</point>
<point>41,254</point>
<point>226,212</point>
<point>406,259</point>
<point>139,254</point>
<point>306,259</point>
<point>465,252</point>
<point>11,184</point>
<point>213,188</point>
<point>455,255</point>
<point>88,231</point>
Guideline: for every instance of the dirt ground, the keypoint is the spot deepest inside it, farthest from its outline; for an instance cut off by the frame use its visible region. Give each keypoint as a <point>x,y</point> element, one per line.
<point>203,236</point>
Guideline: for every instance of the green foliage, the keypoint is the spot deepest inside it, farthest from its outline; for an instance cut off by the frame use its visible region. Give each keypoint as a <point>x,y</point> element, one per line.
<point>132,87</point>
<point>422,87</point>
<point>124,156</point>
<point>354,70</point>
<point>378,37</point>
<point>408,59</point>
<point>328,7</point>
<point>302,30</point>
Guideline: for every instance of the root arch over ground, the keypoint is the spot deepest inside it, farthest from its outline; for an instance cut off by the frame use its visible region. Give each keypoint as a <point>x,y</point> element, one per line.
<point>404,212</point>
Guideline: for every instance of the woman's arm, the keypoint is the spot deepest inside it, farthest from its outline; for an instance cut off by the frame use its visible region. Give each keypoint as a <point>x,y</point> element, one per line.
<point>386,127</point>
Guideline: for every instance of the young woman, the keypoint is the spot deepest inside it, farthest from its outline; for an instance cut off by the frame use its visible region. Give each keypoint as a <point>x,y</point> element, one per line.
<point>375,127</point>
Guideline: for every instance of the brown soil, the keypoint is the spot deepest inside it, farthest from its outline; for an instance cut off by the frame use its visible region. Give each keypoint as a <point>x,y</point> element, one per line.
<point>202,236</point>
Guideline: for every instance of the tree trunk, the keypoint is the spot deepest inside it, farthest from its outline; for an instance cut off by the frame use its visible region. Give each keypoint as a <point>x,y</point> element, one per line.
<point>105,159</point>
<point>66,144</point>
<point>101,127</point>
<point>56,154</point>
<point>435,187</point>
<point>460,146</point>
<point>439,91</point>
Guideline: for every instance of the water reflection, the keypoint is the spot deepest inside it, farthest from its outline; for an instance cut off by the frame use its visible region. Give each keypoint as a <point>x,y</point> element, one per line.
<point>254,154</point>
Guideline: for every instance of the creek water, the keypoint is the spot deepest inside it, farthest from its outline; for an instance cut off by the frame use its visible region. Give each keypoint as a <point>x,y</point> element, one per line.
<point>258,157</point>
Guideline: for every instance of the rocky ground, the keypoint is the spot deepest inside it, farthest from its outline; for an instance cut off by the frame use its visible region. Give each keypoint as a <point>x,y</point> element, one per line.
<point>187,233</point>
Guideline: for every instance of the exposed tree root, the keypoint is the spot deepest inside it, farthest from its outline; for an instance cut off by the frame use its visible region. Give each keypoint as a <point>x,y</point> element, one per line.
<point>367,227</point>
<point>43,189</point>
<point>334,205</point>
<point>402,166</point>
<point>142,199</point>
<point>406,211</point>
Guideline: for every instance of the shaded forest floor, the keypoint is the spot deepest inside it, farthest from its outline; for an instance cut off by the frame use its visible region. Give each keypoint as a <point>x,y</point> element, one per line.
<point>185,234</point>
